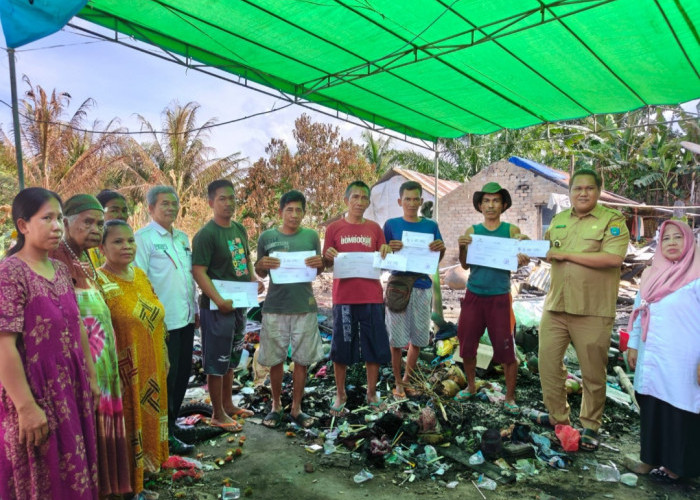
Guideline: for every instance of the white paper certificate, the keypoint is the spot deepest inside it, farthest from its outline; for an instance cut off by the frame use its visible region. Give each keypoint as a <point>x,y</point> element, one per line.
<point>392,261</point>
<point>502,253</point>
<point>242,293</point>
<point>417,240</point>
<point>292,268</point>
<point>355,265</point>
<point>533,248</point>
<point>420,260</point>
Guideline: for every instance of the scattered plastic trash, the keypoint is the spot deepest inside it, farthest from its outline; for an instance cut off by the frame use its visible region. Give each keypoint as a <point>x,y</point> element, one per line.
<point>629,479</point>
<point>329,447</point>
<point>362,476</point>
<point>230,493</point>
<point>568,437</point>
<point>313,448</point>
<point>525,466</point>
<point>430,453</point>
<point>607,473</point>
<point>486,483</point>
<point>147,495</point>
<point>452,484</point>
<point>477,458</point>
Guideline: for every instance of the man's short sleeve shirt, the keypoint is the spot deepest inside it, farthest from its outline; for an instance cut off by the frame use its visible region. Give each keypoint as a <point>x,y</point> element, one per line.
<point>393,230</point>
<point>223,251</point>
<point>578,289</point>
<point>289,298</point>
<point>346,237</point>
<point>167,260</point>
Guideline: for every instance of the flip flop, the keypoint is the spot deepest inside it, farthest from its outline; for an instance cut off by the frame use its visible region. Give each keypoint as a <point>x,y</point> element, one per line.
<point>397,394</point>
<point>511,409</point>
<point>230,427</point>
<point>338,410</point>
<point>540,418</point>
<point>273,419</point>
<point>660,475</point>
<point>589,440</point>
<point>464,395</point>
<point>303,420</point>
<point>242,413</point>
<point>377,406</point>
<point>412,392</point>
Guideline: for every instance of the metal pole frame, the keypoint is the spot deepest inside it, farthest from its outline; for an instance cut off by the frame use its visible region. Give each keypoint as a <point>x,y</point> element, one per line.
<point>15,118</point>
<point>436,211</point>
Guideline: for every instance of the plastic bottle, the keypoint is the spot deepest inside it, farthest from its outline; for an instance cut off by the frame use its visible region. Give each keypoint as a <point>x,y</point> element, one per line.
<point>477,458</point>
<point>230,493</point>
<point>607,473</point>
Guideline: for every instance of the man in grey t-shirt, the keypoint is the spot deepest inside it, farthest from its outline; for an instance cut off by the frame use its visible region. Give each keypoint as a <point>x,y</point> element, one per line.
<point>290,310</point>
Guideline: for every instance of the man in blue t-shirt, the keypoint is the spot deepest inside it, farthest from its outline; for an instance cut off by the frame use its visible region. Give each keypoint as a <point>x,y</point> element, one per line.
<point>487,301</point>
<point>410,327</point>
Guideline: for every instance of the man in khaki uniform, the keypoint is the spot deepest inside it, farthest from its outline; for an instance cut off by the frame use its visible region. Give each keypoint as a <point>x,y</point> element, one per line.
<point>589,242</point>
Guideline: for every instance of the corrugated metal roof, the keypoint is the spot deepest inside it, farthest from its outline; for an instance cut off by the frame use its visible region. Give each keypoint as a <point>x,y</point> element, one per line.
<point>562,178</point>
<point>426,181</point>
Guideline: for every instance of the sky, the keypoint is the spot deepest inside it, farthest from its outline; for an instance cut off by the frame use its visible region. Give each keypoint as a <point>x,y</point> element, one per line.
<point>125,83</point>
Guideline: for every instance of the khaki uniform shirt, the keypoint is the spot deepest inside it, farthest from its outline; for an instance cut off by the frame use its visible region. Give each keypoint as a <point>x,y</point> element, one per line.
<point>578,289</point>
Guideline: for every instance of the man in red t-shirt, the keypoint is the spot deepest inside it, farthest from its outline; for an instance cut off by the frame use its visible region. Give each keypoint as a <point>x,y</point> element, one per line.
<point>359,332</point>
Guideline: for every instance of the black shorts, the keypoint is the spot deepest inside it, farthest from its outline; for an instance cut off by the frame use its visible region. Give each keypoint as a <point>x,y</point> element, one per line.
<point>222,339</point>
<point>359,334</point>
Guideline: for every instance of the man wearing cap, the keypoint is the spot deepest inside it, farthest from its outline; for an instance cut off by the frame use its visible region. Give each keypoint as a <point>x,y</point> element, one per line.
<point>487,301</point>
<point>589,243</point>
<point>164,254</point>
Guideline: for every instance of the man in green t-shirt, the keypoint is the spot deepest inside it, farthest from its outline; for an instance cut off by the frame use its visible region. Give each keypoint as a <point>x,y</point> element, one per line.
<point>487,301</point>
<point>290,310</point>
<point>220,251</point>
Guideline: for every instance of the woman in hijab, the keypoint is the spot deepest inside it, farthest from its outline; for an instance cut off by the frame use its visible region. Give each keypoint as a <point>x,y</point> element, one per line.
<point>83,220</point>
<point>664,351</point>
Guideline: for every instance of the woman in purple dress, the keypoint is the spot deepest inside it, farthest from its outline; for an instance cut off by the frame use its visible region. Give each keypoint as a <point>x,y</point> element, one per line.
<point>47,378</point>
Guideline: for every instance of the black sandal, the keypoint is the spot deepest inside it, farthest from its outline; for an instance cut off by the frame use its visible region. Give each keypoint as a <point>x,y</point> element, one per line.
<point>302,420</point>
<point>273,419</point>
<point>589,440</point>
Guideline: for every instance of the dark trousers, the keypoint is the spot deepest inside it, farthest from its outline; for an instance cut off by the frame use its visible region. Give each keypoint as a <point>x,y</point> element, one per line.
<point>180,356</point>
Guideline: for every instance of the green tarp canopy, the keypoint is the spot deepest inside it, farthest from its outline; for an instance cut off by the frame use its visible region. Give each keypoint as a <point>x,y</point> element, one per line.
<point>436,68</point>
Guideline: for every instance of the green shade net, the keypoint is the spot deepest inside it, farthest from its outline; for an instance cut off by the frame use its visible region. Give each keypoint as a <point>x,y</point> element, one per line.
<point>436,68</point>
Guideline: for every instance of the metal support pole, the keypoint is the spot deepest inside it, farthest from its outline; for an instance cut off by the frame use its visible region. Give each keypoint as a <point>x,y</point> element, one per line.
<point>437,173</point>
<point>15,118</point>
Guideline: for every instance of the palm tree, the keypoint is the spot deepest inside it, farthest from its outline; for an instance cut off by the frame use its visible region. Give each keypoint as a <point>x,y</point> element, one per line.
<point>177,155</point>
<point>66,156</point>
<point>379,152</point>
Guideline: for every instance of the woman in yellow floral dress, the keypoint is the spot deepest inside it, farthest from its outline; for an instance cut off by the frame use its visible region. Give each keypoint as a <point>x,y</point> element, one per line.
<point>137,316</point>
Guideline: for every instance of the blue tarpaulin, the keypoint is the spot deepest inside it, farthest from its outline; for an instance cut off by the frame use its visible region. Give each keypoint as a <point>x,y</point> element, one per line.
<point>24,21</point>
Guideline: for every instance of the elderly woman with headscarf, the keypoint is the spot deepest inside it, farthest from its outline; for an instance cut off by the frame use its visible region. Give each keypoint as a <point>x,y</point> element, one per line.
<point>83,219</point>
<point>664,351</point>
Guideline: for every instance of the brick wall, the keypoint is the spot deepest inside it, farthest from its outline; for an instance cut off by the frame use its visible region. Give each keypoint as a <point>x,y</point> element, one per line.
<point>526,188</point>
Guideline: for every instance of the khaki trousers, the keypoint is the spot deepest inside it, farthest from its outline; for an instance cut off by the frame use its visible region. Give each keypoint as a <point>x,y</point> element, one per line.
<point>591,338</point>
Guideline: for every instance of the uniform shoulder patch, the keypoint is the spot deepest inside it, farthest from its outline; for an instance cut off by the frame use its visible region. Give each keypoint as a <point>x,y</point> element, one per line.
<point>615,231</point>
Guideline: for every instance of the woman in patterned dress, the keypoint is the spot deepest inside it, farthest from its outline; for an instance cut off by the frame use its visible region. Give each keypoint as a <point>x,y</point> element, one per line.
<point>137,316</point>
<point>48,386</point>
<point>83,230</point>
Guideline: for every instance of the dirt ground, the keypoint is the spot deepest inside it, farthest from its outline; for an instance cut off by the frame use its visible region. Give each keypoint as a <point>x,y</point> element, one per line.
<point>276,464</point>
